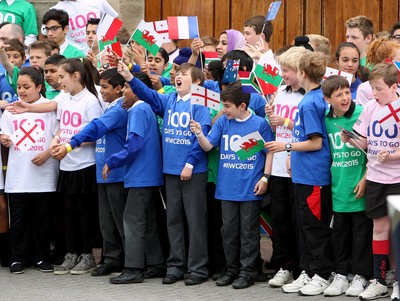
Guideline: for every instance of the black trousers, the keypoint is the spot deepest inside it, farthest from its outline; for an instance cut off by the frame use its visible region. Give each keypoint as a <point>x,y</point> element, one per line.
<point>30,226</point>
<point>351,243</point>
<point>283,219</point>
<point>314,211</point>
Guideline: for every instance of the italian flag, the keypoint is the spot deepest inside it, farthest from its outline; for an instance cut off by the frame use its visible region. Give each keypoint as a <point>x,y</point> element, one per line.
<point>268,70</point>
<point>146,36</point>
<point>248,145</point>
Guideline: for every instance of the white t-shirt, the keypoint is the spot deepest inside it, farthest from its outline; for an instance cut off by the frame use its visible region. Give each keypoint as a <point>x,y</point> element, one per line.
<point>1,162</point>
<point>79,12</point>
<point>286,106</point>
<point>22,174</point>
<point>74,112</point>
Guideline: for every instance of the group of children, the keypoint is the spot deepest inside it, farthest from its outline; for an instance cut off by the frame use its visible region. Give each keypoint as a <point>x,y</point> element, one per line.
<point>327,162</point>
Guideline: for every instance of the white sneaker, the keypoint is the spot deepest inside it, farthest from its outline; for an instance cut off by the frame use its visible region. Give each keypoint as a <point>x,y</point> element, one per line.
<point>294,287</point>
<point>374,290</point>
<point>357,286</point>
<point>316,286</point>
<point>395,294</point>
<point>338,286</point>
<point>390,277</point>
<point>281,278</point>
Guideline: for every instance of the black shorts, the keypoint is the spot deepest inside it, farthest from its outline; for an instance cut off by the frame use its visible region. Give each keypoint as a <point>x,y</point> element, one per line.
<point>375,196</point>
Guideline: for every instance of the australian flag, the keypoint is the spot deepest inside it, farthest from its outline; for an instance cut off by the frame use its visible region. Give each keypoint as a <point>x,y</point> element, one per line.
<point>231,71</point>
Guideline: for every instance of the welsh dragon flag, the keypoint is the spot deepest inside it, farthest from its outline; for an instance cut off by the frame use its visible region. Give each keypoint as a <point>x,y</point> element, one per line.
<point>248,145</point>
<point>146,36</point>
<point>268,70</point>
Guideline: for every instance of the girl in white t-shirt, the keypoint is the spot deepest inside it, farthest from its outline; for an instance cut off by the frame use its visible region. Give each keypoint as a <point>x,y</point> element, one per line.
<point>76,106</point>
<point>31,175</point>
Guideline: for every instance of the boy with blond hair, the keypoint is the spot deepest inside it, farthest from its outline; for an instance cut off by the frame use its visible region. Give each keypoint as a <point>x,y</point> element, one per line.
<point>310,163</point>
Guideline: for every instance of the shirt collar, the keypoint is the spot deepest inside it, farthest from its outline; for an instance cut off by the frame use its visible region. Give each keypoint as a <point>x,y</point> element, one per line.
<point>184,98</point>
<point>63,46</point>
<point>247,118</point>
<point>80,95</point>
<point>9,2</point>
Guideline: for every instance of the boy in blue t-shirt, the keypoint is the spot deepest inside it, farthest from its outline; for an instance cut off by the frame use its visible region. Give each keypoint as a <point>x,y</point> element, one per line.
<point>141,157</point>
<point>240,185</point>
<point>185,168</point>
<point>310,168</point>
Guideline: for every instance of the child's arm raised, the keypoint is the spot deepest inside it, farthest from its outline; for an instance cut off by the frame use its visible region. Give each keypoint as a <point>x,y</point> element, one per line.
<point>19,107</point>
<point>154,99</point>
<point>4,59</point>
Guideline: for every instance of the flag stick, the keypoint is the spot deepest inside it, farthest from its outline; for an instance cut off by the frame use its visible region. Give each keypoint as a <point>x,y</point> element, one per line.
<point>162,198</point>
<point>130,41</point>
<point>201,61</point>
<point>262,92</point>
<point>358,145</point>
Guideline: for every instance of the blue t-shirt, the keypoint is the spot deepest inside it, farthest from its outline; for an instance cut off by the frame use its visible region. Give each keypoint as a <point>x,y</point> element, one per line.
<point>313,167</point>
<point>115,119</point>
<point>146,168</point>
<point>354,87</point>
<point>177,139</point>
<point>237,178</point>
<point>6,91</point>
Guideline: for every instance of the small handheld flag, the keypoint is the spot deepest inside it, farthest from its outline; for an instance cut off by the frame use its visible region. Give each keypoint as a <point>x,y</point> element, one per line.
<point>109,46</point>
<point>27,135</point>
<point>389,116</point>
<point>146,36</point>
<point>108,27</point>
<point>273,10</point>
<point>351,134</point>
<point>231,71</point>
<point>205,97</point>
<point>248,145</point>
<point>210,56</point>
<point>161,27</point>
<point>332,71</point>
<point>268,71</point>
<point>181,28</point>
<point>249,82</point>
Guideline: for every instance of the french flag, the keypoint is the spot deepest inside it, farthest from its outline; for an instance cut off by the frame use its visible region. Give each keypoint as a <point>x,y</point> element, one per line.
<point>181,28</point>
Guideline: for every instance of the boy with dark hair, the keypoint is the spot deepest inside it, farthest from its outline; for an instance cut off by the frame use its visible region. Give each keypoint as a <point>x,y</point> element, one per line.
<point>240,185</point>
<point>253,35</point>
<point>141,157</point>
<point>352,229</point>
<point>310,163</point>
<point>56,26</point>
<point>383,176</point>
<point>185,171</point>
<point>53,87</point>
<point>109,132</point>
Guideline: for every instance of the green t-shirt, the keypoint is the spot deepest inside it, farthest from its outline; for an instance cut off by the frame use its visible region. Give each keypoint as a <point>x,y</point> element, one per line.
<point>213,158</point>
<point>348,165</point>
<point>167,70</point>
<point>50,92</point>
<point>72,52</point>
<point>13,81</point>
<point>21,12</point>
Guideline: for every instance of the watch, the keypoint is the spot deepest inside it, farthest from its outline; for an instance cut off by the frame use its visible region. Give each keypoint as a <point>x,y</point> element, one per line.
<point>288,147</point>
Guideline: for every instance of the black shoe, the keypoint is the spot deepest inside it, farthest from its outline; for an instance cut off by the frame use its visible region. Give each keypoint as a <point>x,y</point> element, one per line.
<point>261,277</point>
<point>218,274</point>
<point>128,275</point>
<point>225,280</point>
<point>194,280</point>
<point>155,271</point>
<point>105,269</point>
<point>243,282</point>
<point>170,279</point>
<point>16,268</point>
<point>44,267</point>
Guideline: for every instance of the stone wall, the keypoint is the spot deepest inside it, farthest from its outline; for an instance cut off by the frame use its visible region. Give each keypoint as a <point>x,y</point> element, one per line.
<point>130,11</point>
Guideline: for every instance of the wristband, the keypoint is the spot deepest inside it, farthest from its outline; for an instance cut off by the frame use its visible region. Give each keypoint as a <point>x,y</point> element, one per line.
<point>286,123</point>
<point>130,66</point>
<point>68,147</point>
<point>4,167</point>
<point>264,179</point>
<point>199,134</point>
<point>188,165</point>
